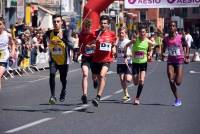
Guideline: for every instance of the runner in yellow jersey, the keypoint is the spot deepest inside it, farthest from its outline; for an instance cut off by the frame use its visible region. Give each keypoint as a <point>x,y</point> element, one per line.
<point>59,43</point>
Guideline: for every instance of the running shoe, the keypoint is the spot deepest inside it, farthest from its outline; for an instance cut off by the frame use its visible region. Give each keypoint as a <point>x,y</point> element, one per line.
<point>136,101</point>
<point>84,99</point>
<point>126,98</point>
<point>177,103</point>
<point>95,84</point>
<point>96,102</point>
<point>52,100</point>
<point>62,95</point>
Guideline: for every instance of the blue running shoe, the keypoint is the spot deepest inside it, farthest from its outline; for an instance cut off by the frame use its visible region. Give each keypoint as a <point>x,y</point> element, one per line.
<point>177,103</point>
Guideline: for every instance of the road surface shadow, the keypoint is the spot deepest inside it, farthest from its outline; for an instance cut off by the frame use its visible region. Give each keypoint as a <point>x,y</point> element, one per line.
<point>131,103</point>
<point>116,101</point>
<point>156,104</point>
<point>47,104</point>
<point>49,109</point>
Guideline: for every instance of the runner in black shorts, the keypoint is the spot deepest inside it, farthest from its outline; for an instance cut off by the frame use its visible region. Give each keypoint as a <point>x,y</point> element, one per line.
<point>141,50</point>
<point>123,69</point>
<point>87,48</point>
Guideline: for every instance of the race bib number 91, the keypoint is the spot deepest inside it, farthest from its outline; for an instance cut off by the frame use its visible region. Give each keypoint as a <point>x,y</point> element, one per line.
<point>105,46</point>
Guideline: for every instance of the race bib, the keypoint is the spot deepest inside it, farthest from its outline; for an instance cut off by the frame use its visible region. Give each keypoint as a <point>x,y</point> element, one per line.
<point>2,55</point>
<point>120,53</point>
<point>139,55</point>
<point>174,51</point>
<point>105,46</point>
<point>89,50</point>
<point>57,51</point>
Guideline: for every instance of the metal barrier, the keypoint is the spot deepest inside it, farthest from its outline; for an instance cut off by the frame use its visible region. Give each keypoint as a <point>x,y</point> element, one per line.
<point>12,70</point>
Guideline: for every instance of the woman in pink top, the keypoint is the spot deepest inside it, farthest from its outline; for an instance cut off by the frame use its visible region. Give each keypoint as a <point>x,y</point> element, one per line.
<point>173,43</point>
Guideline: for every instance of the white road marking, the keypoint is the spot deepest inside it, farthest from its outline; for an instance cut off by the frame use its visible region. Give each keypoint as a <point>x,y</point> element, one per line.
<point>68,112</point>
<point>33,81</point>
<point>111,72</point>
<point>194,72</point>
<point>119,91</point>
<point>106,97</point>
<point>81,107</point>
<point>28,125</point>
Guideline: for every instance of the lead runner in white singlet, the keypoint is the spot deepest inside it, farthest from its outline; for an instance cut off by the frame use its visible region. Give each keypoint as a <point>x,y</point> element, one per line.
<point>6,41</point>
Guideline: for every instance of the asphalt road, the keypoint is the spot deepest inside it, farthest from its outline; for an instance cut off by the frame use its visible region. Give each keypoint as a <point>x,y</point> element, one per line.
<point>24,105</point>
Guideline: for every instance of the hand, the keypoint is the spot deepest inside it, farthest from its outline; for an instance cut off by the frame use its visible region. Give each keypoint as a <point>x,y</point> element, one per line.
<point>126,61</point>
<point>12,54</point>
<point>186,60</point>
<point>93,46</point>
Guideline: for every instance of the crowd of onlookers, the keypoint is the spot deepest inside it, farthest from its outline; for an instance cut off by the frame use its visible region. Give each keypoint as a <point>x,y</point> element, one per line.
<point>28,42</point>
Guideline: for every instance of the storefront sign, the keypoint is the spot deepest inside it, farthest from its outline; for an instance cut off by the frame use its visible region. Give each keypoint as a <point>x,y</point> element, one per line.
<point>161,3</point>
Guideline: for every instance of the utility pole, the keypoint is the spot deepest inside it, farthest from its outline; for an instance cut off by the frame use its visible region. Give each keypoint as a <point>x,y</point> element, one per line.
<point>60,7</point>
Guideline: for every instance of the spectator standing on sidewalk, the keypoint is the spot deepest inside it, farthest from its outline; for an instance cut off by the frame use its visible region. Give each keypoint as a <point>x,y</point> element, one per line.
<point>189,41</point>
<point>75,40</point>
<point>59,43</point>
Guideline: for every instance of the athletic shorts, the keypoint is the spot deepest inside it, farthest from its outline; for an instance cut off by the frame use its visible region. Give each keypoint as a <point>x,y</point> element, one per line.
<point>96,67</point>
<point>123,69</point>
<point>175,65</point>
<point>86,61</point>
<point>138,67</point>
<point>53,67</point>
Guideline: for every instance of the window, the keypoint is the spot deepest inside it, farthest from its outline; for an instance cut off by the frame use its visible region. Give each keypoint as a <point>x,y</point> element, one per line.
<point>184,13</point>
<point>142,16</point>
<point>196,10</point>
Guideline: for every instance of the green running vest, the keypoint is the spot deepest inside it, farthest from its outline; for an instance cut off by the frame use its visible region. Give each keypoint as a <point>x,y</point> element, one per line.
<point>139,50</point>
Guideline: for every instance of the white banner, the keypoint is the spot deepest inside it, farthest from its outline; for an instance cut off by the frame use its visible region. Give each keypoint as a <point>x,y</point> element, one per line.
<point>161,3</point>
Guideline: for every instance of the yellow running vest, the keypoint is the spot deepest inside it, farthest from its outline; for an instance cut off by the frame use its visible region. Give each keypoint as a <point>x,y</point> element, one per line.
<point>57,49</point>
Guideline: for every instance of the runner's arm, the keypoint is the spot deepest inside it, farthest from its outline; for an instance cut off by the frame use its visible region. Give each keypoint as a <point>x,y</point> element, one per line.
<point>163,49</point>
<point>12,44</point>
<point>67,39</point>
<point>46,37</point>
<point>186,55</point>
